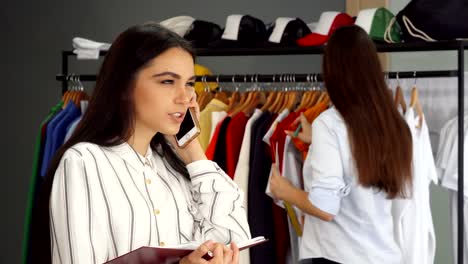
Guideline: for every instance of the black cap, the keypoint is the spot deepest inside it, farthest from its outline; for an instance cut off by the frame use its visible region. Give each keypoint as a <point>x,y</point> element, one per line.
<point>294,30</point>
<point>202,32</point>
<point>252,33</point>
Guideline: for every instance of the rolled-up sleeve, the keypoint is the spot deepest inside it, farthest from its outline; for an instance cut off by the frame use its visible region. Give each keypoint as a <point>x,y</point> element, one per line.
<point>323,170</point>
<point>220,203</point>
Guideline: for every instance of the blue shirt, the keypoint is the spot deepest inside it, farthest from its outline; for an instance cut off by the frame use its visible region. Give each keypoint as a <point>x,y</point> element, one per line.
<point>71,128</point>
<point>55,134</point>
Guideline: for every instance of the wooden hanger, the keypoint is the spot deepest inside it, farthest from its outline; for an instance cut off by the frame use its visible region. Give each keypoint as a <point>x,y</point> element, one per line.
<point>284,103</point>
<point>68,95</point>
<point>400,99</point>
<point>313,99</point>
<point>222,96</point>
<point>294,98</point>
<point>269,101</point>
<point>414,102</point>
<point>233,101</point>
<point>200,97</point>
<point>304,99</point>
<point>206,100</point>
<point>245,98</point>
<point>237,107</point>
<point>258,98</point>
<point>322,97</point>
<point>326,101</point>
<point>277,103</point>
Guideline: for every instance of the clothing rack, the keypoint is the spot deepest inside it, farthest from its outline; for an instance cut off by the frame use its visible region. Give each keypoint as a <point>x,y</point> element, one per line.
<point>457,46</point>
<point>280,77</point>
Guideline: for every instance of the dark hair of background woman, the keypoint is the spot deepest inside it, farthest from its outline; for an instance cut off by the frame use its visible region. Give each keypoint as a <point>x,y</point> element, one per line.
<point>109,119</point>
<point>380,139</point>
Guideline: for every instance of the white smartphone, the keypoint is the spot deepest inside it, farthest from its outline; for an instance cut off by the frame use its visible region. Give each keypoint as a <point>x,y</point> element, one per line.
<point>189,129</point>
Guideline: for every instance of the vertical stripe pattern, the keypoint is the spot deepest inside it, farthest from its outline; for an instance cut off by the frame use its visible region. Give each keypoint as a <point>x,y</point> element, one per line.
<point>105,202</point>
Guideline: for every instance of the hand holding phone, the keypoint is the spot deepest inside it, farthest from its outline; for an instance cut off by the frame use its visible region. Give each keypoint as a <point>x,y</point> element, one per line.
<point>189,129</point>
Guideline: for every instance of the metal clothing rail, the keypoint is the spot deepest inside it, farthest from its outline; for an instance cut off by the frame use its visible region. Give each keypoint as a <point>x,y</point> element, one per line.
<point>279,77</point>
<point>458,46</point>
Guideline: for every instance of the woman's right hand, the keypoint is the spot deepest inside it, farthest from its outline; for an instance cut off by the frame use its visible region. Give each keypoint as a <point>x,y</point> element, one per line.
<point>305,135</point>
<point>221,254</point>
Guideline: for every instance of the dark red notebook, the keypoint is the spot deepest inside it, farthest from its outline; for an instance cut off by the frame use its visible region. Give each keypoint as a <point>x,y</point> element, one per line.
<point>162,255</point>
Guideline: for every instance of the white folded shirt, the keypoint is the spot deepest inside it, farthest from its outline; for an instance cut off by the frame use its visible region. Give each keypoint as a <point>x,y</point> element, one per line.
<point>88,49</point>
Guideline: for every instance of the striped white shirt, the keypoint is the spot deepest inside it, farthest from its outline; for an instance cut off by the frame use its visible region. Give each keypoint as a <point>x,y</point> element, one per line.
<point>107,201</point>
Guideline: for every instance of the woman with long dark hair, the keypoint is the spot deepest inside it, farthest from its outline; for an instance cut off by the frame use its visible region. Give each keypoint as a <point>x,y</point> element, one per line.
<point>120,182</point>
<point>359,160</point>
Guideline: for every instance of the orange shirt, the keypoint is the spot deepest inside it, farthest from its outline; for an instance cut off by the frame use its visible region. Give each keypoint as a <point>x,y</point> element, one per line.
<point>310,115</point>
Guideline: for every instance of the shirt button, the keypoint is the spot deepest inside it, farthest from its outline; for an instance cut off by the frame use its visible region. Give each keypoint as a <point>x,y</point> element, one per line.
<point>162,244</point>
<point>148,181</point>
<point>156,211</point>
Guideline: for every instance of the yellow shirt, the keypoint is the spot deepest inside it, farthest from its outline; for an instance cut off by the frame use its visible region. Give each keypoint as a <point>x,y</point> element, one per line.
<point>214,105</point>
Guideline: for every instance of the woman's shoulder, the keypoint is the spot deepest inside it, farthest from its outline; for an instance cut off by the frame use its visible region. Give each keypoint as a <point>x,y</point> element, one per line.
<point>82,149</point>
<point>330,118</point>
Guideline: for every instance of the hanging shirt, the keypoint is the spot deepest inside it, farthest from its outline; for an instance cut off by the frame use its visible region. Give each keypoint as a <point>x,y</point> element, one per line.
<point>234,135</point>
<point>216,118</point>
<point>56,131</point>
<point>362,229</point>
<point>310,114</point>
<point>272,128</point>
<point>60,130</point>
<point>211,150</point>
<point>220,147</point>
<point>446,141</point>
<point>33,182</point>
<point>241,175</point>
<point>214,105</point>
<point>71,128</point>
<point>259,205</point>
<point>292,170</point>
<point>107,201</point>
<point>414,229</point>
<point>448,161</point>
<point>454,224</point>
<point>49,138</point>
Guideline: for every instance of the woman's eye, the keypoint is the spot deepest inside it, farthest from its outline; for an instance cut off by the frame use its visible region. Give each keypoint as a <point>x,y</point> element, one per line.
<point>191,84</point>
<point>167,82</point>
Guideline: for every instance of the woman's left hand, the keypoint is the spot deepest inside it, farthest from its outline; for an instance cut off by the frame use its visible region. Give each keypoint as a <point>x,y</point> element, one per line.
<point>280,187</point>
<point>193,150</point>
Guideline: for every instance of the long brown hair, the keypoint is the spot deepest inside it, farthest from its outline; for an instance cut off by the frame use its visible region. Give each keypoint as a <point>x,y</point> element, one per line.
<point>109,119</point>
<point>380,139</point>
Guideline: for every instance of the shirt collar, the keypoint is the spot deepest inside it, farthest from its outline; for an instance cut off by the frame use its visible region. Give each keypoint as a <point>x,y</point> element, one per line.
<point>132,157</point>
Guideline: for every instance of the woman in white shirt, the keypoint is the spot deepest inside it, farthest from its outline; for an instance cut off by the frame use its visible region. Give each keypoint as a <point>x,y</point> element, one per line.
<point>358,161</point>
<point>121,182</point>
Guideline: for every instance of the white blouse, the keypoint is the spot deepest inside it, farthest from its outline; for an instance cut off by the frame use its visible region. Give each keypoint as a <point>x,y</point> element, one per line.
<point>362,229</point>
<point>107,201</point>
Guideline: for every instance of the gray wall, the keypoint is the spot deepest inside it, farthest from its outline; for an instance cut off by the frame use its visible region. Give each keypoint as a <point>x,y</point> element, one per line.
<point>36,31</point>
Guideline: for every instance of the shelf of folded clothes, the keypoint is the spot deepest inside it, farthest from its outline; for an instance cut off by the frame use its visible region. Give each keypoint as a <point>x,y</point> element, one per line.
<point>278,50</point>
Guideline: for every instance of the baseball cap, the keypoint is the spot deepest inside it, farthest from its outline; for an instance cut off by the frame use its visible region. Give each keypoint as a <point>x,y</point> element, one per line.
<point>178,24</point>
<point>329,21</point>
<point>242,31</point>
<point>380,24</point>
<point>286,31</point>
<point>201,32</point>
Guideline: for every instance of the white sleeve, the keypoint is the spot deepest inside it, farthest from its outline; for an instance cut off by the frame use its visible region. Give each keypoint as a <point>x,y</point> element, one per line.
<point>70,212</point>
<point>324,167</point>
<point>220,204</point>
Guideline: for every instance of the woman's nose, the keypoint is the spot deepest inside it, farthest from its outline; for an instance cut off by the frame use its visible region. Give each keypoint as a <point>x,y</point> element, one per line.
<point>183,96</point>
